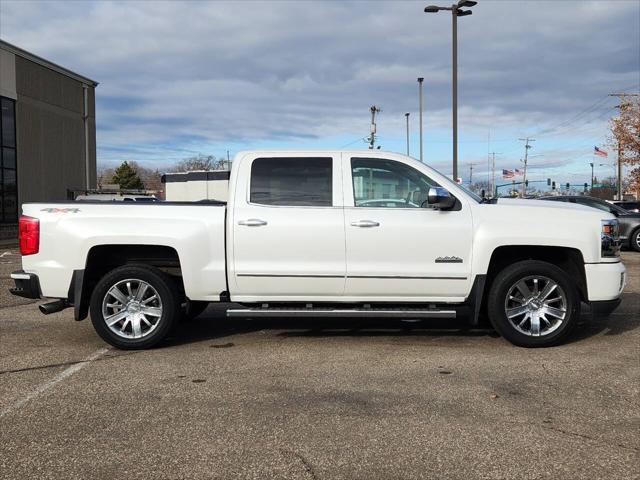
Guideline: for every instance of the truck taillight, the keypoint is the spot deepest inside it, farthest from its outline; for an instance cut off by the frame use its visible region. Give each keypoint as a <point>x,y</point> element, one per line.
<point>29,235</point>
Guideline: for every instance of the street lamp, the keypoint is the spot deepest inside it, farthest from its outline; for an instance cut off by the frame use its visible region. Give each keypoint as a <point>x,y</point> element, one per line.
<point>456,12</point>
<point>420,80</point>
<point>407,116</point>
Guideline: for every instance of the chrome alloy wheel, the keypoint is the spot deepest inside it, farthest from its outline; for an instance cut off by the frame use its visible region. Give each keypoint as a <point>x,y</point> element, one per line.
<point>132,308</point>
<point>536,306</point>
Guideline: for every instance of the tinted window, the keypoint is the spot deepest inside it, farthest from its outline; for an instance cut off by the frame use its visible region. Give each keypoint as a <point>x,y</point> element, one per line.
<point>8,123</point>
<point>605,207</point>
<point>292,181</point>
<point>8,190</point>
<point>385,183</point>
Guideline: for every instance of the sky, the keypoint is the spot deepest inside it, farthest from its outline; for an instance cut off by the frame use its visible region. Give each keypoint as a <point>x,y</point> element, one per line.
<point>202,77</point>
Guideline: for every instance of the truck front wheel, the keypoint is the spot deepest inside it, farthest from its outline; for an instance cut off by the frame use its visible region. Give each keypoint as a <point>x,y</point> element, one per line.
<point>533,304</point>
<point>134,306</point>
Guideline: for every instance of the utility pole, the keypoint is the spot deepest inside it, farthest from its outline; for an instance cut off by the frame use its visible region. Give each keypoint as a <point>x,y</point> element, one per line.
<point>420,80</point>
<point>407,116</point>
<point>493,175</point>
<point>526,157</point>
<point>623,104</point>
<point>372,137</point>
<point>471,174</point>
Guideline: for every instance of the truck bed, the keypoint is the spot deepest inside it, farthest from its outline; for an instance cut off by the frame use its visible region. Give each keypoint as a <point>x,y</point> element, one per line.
<point>70,230</point>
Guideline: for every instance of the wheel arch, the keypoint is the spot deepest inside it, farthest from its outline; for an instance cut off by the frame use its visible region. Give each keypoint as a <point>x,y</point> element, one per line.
<point>104,258</point>
<point>568,259</point>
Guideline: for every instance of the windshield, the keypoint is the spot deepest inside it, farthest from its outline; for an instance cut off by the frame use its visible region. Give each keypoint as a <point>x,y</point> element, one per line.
<point>473,195</point>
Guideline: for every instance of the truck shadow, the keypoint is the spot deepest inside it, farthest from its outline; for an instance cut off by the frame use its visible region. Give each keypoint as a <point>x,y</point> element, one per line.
<point>213,324</point>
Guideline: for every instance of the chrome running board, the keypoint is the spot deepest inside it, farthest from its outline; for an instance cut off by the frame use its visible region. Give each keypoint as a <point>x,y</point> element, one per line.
<point>339,313</point>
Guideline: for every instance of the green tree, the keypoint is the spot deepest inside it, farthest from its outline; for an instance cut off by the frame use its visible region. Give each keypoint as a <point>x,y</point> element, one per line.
<point>127,177</point>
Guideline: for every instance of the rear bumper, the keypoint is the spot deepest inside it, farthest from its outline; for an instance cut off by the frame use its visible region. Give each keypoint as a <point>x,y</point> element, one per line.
<point>605,281</point>
<point>27,285</point>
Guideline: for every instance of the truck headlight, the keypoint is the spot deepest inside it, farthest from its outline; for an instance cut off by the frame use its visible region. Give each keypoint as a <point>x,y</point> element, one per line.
<point>610,238</point>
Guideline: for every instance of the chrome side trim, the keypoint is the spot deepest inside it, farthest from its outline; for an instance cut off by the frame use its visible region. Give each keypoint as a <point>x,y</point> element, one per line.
<point>401,277</point>
<point>341,313</point>
<point>289,275</point>
<point>378,277</point>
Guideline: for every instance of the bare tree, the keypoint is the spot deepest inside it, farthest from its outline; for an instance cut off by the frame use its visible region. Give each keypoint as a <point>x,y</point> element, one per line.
<point>199,162</point>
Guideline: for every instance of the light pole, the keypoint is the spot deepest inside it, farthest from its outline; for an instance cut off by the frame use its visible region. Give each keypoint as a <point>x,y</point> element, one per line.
<point>591,163</point>
<point>455,13</point>
<point>420,80</point>
<point>407,116</point>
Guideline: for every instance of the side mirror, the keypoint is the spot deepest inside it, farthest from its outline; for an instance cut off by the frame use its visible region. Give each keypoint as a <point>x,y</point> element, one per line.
<point>441,199</point>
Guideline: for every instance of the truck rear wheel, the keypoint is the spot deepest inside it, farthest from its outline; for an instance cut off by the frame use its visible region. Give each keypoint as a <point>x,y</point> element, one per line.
<point>533,304</point>
<point>134,306</point>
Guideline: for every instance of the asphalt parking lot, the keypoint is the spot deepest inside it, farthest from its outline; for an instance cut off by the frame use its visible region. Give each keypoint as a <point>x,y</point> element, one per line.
<point>317,399</point>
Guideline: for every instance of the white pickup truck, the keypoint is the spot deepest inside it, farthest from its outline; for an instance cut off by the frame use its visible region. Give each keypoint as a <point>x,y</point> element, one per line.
<point>331,233</point>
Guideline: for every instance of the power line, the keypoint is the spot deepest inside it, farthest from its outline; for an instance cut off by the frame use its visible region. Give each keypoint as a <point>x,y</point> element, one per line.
<point>526,156</point>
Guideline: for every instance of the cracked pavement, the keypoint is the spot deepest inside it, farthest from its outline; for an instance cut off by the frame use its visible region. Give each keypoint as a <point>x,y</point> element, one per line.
<point>317,399</point>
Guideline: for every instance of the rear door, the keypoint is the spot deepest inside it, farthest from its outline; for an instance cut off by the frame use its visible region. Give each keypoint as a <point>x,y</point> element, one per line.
<point>288,238</point>
<point>399,249</point>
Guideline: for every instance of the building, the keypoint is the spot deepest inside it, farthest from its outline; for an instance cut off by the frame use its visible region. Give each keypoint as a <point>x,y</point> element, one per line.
<point>47,133</point>
<point>196,186</point>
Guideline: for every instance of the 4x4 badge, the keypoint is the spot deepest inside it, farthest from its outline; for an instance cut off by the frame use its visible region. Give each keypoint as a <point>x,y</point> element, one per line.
<point>60,210</point>
<point>448,260</point>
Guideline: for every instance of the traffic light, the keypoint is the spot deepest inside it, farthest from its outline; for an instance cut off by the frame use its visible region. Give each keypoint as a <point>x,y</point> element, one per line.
<point>568,186</point>
<point>553,185</point>
<point>548,182</point>
<point>585,185</point>
<point>526,183</point>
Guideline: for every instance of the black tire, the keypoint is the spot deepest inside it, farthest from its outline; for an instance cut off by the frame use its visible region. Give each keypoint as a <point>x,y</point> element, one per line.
<point>166,291</point>
<point>525,270</point>
<point>191,309</point>
<point>634,240</point>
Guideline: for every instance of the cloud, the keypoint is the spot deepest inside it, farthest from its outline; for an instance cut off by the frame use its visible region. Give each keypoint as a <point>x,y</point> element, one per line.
<point>187,74</point>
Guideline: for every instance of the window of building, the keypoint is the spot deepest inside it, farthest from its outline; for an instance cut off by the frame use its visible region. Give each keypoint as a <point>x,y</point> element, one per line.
<point>8,175</point>
<point>292,181</point>
<point>385,183</point>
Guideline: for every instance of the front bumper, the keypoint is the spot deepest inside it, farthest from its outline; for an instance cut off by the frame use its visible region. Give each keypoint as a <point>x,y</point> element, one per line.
<point>605,281</point>
<point>27,285</point>
<point>604,307</point>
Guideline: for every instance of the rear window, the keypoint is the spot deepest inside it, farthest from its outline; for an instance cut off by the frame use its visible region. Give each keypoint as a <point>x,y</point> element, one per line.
<point>292,181</point>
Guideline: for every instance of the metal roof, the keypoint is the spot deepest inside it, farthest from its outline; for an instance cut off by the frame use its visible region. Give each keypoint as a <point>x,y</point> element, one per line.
<point>46,63</point>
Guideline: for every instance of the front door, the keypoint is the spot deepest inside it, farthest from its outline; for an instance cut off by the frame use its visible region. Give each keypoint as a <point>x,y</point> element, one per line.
<point>399,248</point>
<point>288,229</point>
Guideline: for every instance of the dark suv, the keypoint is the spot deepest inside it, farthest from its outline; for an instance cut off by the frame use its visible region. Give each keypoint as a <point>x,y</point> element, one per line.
<point>629,222</point>
<point>629,206</point>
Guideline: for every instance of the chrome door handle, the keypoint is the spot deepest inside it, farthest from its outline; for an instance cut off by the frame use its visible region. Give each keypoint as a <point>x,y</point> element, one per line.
<point>365,224</point>
<point>252,222</point>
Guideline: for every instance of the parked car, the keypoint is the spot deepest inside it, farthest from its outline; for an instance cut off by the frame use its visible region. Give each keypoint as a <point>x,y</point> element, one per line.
<point>115,197</point>
<point>629,222</point>
<point>633,207</point>
<point>314,234</point>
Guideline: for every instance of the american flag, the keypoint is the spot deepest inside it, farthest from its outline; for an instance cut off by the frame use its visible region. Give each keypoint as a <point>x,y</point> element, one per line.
<point>518,172</point>
<point>507,173</point>
<point>600,153</point>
